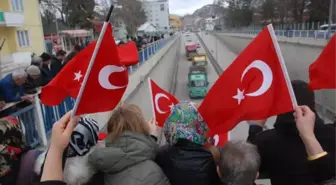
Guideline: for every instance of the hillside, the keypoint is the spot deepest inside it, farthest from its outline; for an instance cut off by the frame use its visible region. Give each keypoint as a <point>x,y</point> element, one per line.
<point>200,14</point>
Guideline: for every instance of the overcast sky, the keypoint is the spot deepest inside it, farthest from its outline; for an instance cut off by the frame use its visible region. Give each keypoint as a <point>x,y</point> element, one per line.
<point>182,7</point>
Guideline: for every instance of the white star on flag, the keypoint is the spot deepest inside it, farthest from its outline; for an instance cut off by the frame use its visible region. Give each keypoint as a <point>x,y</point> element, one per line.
<point>78,76</point>
<point>240,96</point>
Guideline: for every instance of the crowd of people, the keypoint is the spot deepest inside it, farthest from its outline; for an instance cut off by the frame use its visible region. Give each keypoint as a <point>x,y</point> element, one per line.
<point>300,150</point>
<point>22,84</point>
<point>143,42</point>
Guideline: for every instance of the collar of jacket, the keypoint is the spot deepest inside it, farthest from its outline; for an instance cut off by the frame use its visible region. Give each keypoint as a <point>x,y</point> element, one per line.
<point>187,143</point>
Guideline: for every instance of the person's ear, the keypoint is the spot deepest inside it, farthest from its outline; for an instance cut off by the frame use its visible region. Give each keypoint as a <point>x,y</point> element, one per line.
<point>257,176</point>
<point>218,171</point>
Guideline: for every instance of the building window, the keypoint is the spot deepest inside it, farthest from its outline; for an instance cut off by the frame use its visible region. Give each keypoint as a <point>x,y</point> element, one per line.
<point>17,5</point>
<point>162,7</point>
<point>23,38</point>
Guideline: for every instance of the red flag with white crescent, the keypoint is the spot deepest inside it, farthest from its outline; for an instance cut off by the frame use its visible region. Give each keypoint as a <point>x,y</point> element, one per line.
<point>162,102</point>
<point>255,86</point>
<point>106,82</point>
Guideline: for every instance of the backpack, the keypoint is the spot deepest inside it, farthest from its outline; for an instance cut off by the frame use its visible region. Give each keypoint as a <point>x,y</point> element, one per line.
<point>12,145</point>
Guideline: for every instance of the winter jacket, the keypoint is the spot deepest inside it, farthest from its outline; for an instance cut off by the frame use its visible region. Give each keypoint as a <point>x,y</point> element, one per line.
<point>46,75</point>
<point>50,183</point>
<point>187,163</point>
<point>129,160</point>
<point>284,157</point>
<point>31,84</point>
<point>56,66</point>
<point>70,56</point>
<point>10,91</point>
<point>1,95</point>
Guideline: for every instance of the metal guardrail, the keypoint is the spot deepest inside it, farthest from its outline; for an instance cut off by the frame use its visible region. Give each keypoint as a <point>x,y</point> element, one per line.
<point>37,119</point>
<point>314,34</point>
<point>212,59</point>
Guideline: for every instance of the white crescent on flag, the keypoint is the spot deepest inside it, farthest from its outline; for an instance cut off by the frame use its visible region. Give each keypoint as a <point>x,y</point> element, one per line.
<point>267,76</point>
<point>157,97</point>
<point>104,74</point>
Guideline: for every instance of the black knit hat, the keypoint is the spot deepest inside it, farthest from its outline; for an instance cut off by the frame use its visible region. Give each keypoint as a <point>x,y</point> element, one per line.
<point>45,57</point>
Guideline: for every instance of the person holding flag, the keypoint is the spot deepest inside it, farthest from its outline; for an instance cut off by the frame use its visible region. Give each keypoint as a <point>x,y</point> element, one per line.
<point>258,76</point>
<point>282,152</point>
<point>130,149</point>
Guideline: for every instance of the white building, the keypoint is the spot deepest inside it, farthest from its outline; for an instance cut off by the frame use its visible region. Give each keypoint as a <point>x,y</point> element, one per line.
<point>209,23</point>
<point>157,12</point>
<point>147,29</point>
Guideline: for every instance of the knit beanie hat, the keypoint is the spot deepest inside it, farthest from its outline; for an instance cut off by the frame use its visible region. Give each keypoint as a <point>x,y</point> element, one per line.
<point>36,59</point>
<point>33,70</point>
<point>83,138</point>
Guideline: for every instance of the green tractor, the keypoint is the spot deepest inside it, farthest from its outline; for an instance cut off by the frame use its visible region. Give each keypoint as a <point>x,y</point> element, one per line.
<point>198,83</point>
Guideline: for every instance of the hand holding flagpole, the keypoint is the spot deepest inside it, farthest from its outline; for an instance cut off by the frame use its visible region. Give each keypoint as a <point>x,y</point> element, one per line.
<point>100,38</point>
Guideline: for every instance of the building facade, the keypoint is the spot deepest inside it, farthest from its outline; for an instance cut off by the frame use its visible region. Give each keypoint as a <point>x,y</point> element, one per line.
<point>157,12</point>
<point>21,33</point>
<point>175,23</point>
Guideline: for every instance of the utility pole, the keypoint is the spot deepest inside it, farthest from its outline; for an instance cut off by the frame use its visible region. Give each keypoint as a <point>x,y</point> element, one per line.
<point>331,6</point>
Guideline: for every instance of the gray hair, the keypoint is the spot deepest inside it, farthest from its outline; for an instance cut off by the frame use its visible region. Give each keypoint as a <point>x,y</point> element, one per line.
<point>239,163</point>
<point>36,60</point>
<point>19,73</point>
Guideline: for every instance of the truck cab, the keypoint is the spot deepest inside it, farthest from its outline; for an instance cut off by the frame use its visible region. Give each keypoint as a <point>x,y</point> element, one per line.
<point>200,60</point>
<point>197,82</point>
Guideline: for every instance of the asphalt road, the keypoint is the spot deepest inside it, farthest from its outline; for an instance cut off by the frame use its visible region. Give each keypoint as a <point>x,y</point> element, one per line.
<point>297,59</point>
<point>163,73</point>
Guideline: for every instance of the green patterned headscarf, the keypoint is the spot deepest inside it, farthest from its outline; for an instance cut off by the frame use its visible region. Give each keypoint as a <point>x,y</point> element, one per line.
<point>184,122</point>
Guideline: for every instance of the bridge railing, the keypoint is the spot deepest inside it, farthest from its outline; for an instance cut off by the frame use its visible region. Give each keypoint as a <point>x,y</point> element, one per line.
<point>37,119</point>
<point>315,34</point>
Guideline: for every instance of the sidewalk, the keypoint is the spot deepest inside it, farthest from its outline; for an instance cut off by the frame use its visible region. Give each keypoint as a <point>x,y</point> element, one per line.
<point>291,40</point>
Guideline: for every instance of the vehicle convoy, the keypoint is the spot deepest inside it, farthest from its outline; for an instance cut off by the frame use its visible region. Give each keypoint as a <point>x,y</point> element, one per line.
<point>191,50</point>
<point>200,60</point>
<point>197,82</point>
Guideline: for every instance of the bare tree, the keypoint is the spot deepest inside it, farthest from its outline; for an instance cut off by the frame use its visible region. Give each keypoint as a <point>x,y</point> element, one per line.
<point>72,12</point>
<point>132,14</point>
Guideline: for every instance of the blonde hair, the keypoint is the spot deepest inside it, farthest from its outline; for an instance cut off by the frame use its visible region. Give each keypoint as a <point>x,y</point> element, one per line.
<point>127,118</point>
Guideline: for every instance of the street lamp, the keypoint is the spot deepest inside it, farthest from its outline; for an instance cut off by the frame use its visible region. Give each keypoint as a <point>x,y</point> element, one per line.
<point>331,6</point>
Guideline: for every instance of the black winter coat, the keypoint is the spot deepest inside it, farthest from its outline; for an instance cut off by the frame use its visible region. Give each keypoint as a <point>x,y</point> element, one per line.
<point>56,66</point>
<point>46,75</point>
<point>283,154</point>
<point>187,163</point>
<point>31,84</point>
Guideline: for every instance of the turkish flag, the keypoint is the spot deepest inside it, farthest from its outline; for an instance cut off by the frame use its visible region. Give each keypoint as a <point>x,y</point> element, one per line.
<point>162,102</point>
<point>128,54</point>
<point>322,73</point>
<point>253,87</point>
<point>106,83</point>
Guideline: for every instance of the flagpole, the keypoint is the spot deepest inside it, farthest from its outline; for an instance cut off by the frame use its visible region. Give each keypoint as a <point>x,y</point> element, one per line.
<point>324,100</point>
<point>92,60</point>
<point>282,64</point>
<point>153,108</point>
<point>151,96</point>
